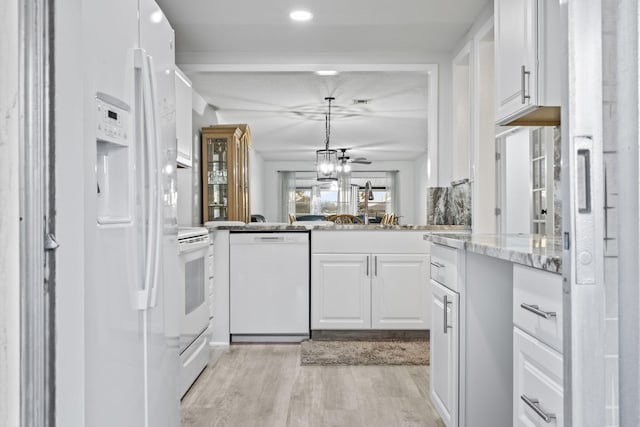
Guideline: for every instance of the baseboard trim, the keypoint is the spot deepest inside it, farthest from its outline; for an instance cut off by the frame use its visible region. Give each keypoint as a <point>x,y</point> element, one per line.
<point>363,335</point>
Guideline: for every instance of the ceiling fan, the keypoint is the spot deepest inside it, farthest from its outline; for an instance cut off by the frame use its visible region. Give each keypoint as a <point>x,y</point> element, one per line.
<point>344,160</point>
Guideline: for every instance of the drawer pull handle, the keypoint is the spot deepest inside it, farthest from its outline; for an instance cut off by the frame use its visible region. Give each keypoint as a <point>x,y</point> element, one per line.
<point>524,74</point>
<point>536,310</point>
<point>535,405</point>
<point>437,264</point>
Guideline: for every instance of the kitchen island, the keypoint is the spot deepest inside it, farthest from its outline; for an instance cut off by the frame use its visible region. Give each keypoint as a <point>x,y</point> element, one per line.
<point>496,337</point>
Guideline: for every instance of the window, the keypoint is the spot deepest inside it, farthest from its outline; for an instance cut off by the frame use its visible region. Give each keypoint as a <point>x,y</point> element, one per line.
<point>304,194</point>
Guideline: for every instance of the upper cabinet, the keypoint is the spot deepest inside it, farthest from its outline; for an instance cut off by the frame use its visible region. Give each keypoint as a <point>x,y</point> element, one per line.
<point>183,119</point>
<point>528,62</point>
<point>225,173</point>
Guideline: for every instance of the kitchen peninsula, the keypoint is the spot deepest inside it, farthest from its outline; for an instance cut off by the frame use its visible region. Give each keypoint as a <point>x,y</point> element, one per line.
<point>360,276</point>
<point>497,325</point>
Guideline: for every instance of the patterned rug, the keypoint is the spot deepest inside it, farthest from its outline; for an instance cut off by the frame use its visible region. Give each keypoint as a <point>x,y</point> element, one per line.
<point>364,352</point>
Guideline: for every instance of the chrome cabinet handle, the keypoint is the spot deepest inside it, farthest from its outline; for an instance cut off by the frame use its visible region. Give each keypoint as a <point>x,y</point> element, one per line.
<point>367,265</point>
<point>523,74</point>
<point>535,405</point>
<point>376,265</point>
<point>445,306</point>
<point>437,264</point>
<point>536,310</point>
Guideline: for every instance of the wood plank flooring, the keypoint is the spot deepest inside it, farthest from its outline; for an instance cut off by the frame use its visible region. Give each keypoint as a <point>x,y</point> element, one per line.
<point>265,386</point>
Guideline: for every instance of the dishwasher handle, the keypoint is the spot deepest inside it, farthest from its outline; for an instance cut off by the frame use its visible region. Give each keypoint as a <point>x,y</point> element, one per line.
<point>269,239</point>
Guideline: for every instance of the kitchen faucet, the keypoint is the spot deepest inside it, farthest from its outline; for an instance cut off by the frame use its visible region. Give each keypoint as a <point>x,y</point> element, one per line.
<point>368,195</point>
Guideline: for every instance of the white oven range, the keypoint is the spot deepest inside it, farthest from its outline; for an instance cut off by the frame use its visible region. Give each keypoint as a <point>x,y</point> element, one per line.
<point>192,300</point>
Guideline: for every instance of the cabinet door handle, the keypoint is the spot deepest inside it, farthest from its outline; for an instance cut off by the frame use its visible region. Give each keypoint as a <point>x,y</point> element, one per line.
<point>535,405</point>
<point>445,306</point>
<point>367,265</point>
<point>376,265</point>
<point>536,310</point>
<point>437,264</point>
<point>523,76</point>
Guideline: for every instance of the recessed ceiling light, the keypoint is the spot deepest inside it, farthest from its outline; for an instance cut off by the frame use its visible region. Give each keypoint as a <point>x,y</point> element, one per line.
<point>326,72</point>
<point>301,15</point>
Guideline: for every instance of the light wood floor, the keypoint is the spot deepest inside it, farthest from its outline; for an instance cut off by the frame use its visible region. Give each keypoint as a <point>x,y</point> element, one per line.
<point>265,386</point>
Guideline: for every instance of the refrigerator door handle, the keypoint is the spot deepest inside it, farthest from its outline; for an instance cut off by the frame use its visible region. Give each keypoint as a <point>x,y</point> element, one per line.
<point>147,164</point>
<point>156,175</point>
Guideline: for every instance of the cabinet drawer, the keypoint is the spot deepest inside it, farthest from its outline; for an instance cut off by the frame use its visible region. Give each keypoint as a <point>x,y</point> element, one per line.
<point>537,382</point>
<point>537,304</point>
<point>369,241</point>
<point>443,266</point>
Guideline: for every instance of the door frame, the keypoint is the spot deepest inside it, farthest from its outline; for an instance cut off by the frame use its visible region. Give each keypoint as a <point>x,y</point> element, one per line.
<point>37,213</point>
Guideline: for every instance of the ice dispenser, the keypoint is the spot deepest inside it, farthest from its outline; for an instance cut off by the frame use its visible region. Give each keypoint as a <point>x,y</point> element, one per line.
<point>114,167</point>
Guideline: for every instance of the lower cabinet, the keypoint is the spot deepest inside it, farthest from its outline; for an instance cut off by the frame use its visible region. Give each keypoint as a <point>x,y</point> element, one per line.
<point>340,291</point>
<point>537,382</point>
<point>538,392</point>
<point>369,291</point>
<point>445,349</point>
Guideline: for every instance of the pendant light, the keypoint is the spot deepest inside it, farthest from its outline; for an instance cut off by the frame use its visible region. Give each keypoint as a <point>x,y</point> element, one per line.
<point>326,159</point>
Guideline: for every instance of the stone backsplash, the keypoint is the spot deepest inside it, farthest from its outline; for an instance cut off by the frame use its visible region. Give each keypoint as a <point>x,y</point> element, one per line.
<point>449,205</point>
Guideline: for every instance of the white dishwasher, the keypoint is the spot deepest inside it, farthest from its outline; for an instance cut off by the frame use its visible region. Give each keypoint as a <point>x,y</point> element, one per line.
<point>269,286</point>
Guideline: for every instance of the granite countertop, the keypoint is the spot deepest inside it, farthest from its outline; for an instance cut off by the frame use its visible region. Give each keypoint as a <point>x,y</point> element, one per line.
<point>532,250</point>
<point>257,226</point>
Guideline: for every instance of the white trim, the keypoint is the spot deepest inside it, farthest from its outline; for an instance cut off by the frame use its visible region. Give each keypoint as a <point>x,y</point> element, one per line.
<point>262,68</point>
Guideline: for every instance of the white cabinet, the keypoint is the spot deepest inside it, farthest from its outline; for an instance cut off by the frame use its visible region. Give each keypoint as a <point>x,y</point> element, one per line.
<point>445,333</point>
<point>400,292</point>
<point>537,382</point>
<point>183,119</point>
<point>527,56</point>
<point>364,291</point>
<point>537,344</point>
<point>445,347</point>
<point>369,280</point>
<point>340,291</point>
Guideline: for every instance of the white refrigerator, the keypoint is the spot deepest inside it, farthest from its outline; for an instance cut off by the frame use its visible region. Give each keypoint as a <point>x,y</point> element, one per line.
<point>131,336</point>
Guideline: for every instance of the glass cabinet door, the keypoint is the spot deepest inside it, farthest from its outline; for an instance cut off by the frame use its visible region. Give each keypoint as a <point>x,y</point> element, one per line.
<point>217,184</point>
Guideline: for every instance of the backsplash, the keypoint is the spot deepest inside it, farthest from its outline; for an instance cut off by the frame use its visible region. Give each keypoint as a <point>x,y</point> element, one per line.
<point>449,205</point>
<point>557,187</point>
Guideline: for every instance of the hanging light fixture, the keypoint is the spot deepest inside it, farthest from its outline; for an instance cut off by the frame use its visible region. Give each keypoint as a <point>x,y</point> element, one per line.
<point>326,159</point>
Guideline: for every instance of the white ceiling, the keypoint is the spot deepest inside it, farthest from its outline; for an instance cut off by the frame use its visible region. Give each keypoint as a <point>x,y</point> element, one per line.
<point>285,108</point>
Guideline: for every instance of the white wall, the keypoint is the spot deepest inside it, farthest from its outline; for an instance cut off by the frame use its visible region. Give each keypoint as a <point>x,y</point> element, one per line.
<point>421,183</point>
<point>406,184</point>
<point>190,179</point>
<point>70,191</point>
<point>483,194</point>
<point>517,206</point>
<point>256,182</point>
<point>9,218</point>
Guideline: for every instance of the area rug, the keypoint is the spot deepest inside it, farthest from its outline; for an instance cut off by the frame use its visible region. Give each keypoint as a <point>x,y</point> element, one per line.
<point>314,352</point>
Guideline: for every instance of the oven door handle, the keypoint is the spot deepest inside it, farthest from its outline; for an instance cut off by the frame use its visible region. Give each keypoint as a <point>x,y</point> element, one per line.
<point>190,247</point>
